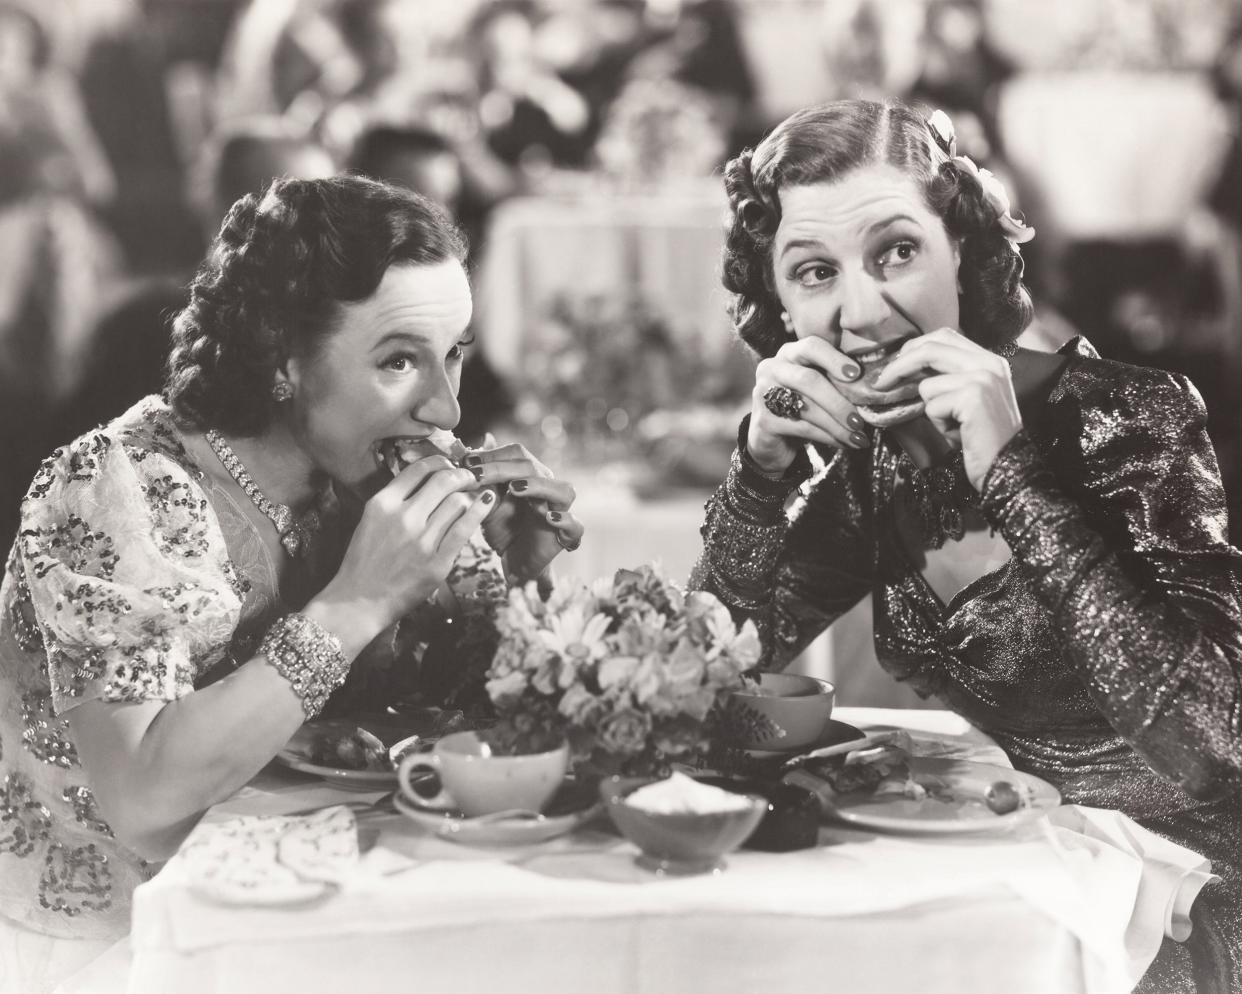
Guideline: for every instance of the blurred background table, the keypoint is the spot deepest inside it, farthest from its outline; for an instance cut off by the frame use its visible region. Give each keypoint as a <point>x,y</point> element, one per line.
<point>661,246</point>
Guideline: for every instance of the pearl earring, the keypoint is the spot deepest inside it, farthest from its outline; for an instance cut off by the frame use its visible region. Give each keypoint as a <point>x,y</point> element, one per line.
<point>787,321</point>
<point>282,390</point>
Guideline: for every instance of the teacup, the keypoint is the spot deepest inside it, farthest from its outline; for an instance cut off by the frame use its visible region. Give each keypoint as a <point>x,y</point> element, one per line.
<point>476,782</point>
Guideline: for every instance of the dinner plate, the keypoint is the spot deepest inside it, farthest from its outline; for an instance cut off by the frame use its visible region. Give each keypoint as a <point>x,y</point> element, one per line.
<point>954,804</point>
<point>298,750</point>
<point>572,806</point>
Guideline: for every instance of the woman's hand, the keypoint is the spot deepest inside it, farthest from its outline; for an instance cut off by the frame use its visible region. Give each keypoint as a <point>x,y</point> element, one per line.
<point>532,525</point>
<point>406,541</point>
<point>968,391</point>
<point>827,381</point>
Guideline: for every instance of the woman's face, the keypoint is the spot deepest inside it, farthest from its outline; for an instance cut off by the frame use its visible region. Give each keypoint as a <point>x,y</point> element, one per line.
<point>863,262</point>
<point>391,368</point>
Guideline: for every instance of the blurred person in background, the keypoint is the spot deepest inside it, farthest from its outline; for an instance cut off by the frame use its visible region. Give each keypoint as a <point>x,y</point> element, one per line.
<point>199,577</point>
<point>129,343</point>
<point>58,261</point>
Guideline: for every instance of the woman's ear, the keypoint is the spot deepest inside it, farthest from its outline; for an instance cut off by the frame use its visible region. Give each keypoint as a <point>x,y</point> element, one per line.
<point>283,382</point>
<point>957,264</point>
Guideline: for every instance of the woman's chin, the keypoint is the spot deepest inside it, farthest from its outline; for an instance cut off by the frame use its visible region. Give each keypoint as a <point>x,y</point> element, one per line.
<point>891,414</point>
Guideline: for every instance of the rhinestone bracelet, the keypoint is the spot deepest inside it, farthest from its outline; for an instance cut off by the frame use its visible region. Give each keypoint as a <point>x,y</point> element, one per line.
<point>308,656</point>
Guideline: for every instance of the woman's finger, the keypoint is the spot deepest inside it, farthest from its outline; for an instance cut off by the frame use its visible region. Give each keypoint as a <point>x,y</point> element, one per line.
<point>820,354</point>
<point>934,355</point>
<point>460,528</point>
<point>432,527</point>
<point>569,530</point>
<point>556,494</point>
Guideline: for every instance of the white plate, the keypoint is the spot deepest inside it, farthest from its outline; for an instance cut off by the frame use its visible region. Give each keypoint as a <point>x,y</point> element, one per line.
<point>296,756</point>
<point>964,810</point>
<point>457,827</point>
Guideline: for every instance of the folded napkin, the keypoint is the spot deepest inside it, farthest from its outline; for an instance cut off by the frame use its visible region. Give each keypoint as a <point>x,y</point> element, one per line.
<point>1158,878</point>
<point>271,859</point>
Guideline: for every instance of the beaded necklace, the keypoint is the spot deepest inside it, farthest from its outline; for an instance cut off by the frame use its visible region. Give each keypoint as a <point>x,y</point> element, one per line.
<point>296,534</point>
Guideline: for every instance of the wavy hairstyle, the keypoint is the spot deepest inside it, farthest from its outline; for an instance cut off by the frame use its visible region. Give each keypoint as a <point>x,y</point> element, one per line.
<point>274,279</point>
<point>823,144</point>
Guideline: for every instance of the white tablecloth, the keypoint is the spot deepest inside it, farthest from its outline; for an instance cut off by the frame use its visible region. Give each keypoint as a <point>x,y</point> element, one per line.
<point>1047,909</point>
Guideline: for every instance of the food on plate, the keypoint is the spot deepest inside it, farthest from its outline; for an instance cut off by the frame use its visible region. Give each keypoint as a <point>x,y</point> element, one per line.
<point>1003,797</point>
<point>348,749</point>
<point>680,794</point>
<point>880,768</point>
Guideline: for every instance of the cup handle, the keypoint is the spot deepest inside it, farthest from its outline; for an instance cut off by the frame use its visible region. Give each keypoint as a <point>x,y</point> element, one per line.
<point>412,761</point>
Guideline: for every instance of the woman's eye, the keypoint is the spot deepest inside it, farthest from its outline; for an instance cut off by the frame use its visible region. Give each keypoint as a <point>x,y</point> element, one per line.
<point>814,274</point>
<point>399,363</point>
<point>898,254</point>
<point>457,352</point>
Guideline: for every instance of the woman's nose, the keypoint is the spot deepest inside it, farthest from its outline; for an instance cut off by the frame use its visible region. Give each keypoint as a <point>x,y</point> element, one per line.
<point>438,405</point>
<point>863,307</point>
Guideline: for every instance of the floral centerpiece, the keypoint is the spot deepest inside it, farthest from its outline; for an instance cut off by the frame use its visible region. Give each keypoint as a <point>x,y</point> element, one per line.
<point>629,670</point>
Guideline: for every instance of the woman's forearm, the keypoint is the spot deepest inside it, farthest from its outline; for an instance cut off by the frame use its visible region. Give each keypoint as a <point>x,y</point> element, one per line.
<point>155,767</point>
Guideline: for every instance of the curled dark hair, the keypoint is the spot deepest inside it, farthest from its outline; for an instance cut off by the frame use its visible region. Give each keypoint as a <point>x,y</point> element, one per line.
<point>823,144</point>
<point>273,281</point>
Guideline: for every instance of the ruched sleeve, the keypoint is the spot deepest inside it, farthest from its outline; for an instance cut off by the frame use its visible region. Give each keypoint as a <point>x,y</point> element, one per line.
<point>130,583</point>
<point>1126,545</point>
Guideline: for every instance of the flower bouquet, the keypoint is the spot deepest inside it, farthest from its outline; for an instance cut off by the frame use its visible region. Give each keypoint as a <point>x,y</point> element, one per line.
<point>629,671</point>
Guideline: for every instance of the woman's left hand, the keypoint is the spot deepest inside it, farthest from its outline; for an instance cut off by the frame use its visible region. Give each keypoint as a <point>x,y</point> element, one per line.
<point>532,524</point>
<point>968,391</point>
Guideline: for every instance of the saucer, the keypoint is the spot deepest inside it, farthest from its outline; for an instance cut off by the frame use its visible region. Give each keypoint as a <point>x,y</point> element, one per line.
<point>573,805</point>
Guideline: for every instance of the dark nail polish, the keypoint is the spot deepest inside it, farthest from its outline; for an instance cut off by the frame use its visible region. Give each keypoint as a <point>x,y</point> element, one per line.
<point>471,461</point>
<point>487,496</point>
<point>850,371</point>
<point>518,486</point>
<point>477,471</point>
<point>555,517</point>
<point>855,422</point>
<point>859,439</point>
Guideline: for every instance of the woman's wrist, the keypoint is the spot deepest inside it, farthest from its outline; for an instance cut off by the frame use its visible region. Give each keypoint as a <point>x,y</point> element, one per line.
<point>354,624</point>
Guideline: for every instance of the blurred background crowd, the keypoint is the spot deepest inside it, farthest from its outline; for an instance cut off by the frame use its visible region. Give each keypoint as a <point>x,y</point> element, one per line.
<point>579,144</point>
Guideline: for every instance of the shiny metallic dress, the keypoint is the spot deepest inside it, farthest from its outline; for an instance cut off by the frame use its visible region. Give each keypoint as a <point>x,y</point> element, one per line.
<point>1105,656</point>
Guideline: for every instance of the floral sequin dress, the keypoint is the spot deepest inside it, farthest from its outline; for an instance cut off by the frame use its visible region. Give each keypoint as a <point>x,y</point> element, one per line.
<point>1105,655</point>
<point>136,578</point>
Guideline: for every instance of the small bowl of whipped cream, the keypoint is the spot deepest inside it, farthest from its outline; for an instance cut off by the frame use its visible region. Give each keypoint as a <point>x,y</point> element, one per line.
<point>680,824</point>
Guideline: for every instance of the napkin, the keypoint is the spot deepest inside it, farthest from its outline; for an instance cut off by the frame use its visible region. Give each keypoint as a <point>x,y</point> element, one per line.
<point>271,859</point>
<point>1160,877</point>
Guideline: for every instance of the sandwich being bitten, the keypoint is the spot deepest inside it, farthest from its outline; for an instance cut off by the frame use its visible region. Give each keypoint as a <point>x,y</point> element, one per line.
<point>880,414</point>
<point>395,454</point>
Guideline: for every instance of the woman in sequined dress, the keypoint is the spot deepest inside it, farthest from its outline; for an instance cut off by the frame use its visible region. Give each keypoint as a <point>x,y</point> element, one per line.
<point>1042,535</point>
<point>194,578</point>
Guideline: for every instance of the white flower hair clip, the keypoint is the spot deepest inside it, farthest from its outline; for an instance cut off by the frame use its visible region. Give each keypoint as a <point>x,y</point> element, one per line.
<point>1016,230</point>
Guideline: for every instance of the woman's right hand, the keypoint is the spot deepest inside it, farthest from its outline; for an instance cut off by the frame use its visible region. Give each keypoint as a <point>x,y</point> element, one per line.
<point>406,540</point>
<point>818,373</point>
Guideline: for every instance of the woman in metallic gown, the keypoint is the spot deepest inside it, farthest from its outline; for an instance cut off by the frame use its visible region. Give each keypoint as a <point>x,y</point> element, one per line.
<point>1042,535</point>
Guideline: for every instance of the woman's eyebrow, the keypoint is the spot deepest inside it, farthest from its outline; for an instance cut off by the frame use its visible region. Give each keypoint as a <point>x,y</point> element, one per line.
<point>404,337</point>
<point>889,222</point>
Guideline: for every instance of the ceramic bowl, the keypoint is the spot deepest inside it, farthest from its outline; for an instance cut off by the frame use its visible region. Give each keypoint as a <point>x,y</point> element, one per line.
<point>679,843</point>
<point>790,712</point>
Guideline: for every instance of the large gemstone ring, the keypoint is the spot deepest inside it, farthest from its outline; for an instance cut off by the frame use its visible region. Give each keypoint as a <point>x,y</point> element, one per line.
<point>783,402</point>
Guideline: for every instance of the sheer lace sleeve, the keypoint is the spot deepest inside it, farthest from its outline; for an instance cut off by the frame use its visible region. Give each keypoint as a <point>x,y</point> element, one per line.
<point>791,566</point>
<point>129,580</point>
<point>1132,559</point>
